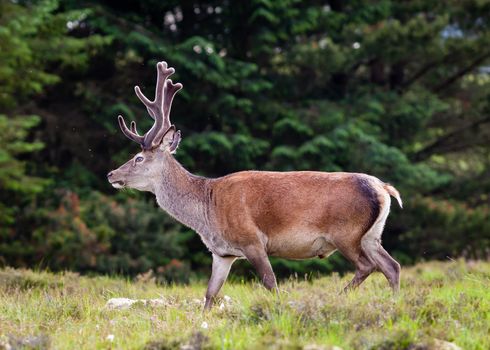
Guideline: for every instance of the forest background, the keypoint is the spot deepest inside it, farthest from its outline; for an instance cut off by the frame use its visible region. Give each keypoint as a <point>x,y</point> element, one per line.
<point>396,89</point>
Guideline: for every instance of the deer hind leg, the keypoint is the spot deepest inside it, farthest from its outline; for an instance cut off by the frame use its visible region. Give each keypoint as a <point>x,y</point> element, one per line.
<point>389,267</point>
<point>364,267</point>
<point>371,245</point>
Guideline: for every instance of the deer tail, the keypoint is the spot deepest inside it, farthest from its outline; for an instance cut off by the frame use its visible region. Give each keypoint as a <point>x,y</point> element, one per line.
<point>394,192</point>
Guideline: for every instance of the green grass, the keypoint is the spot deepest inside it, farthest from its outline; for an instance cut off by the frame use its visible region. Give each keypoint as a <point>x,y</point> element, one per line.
<point>447,301</point>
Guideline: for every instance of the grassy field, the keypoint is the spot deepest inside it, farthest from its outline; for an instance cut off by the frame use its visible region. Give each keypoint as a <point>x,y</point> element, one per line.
<point>438,302</point>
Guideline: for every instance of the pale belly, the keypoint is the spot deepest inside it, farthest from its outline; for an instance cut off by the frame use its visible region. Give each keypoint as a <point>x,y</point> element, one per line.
<point>290,246</point>
<point>300,246</point>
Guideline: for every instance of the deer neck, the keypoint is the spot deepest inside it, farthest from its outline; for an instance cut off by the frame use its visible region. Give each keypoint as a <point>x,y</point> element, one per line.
<point>183,195</point>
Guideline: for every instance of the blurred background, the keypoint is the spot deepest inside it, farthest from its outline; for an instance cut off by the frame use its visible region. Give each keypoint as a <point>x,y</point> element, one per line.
<point>396,89</point>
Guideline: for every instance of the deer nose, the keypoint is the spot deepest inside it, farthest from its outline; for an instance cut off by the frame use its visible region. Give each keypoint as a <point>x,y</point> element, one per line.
<point>110,174</point>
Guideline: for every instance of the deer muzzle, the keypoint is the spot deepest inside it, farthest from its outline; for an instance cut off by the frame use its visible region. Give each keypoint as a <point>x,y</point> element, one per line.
<point>114,181</point>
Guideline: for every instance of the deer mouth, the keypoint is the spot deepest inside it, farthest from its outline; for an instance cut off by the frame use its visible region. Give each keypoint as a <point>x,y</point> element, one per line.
<point>118,184</point>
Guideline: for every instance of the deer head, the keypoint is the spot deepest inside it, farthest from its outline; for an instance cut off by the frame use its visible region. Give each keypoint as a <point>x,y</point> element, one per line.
<point>160,140</point>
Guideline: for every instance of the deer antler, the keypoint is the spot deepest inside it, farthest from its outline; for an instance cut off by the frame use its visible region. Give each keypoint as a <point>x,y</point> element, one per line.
<point>158,109</point>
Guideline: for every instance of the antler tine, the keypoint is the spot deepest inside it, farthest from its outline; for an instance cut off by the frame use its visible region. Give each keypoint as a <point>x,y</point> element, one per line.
<point>170,90</point>
<point>132,135</point>
<point>155,107</point>
<point>158,109</point>
<point>142,97</point>
<point>162,74</point>
<point>132,127</point>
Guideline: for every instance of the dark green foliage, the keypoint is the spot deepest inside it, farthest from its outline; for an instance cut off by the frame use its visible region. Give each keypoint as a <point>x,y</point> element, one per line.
<point>442,229</point>
<point>14,182</point>
<point>97,233</point>
<point>399,90</point>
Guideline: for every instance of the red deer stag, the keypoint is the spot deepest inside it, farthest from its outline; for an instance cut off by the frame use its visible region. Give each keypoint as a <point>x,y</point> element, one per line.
<point>254,214</point>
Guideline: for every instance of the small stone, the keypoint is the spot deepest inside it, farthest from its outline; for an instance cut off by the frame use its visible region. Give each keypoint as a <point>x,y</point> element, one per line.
<point>444,345</point>
<point>4,343</point>
<point>204,325</point>
<point>120,303</point>
<point>156,302</point>
<point>314,347</point>
<point>125,303</point>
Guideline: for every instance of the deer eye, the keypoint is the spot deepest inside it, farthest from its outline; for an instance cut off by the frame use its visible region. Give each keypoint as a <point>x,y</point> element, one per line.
<point>139,159</point>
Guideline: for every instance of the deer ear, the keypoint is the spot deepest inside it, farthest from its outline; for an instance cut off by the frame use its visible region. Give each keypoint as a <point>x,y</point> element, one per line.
<point>175,142</point>
<point>171,140</point>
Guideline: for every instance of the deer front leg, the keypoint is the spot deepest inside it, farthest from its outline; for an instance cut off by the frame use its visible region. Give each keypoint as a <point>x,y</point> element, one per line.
<point>257,256</point>
<point>221,269</point>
